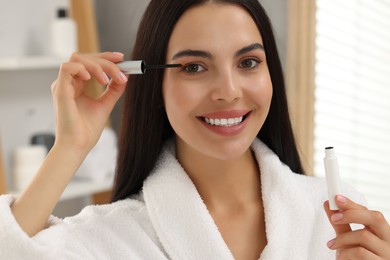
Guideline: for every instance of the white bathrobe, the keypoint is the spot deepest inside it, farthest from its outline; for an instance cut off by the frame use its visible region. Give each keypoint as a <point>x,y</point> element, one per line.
<point>169,220</point>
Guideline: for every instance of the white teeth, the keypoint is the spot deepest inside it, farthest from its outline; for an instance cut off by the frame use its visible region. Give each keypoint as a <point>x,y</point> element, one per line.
<point>223,121</point>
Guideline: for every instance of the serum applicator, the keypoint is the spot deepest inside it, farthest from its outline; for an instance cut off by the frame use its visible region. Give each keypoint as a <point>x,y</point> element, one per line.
<point>332,176</point>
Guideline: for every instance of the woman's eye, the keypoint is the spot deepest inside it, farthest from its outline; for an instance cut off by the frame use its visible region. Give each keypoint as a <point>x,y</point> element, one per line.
<point>249,64</point>
<point>193,68</point>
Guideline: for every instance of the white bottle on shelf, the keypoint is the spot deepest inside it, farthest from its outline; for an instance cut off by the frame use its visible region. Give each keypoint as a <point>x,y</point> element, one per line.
<point>63,34</point>
<point>26,162</point>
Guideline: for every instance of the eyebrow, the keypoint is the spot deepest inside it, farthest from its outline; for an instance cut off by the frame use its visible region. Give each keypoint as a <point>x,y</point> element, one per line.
<point>192,53</point>
<point>206,54</point>
<point>254,46</point>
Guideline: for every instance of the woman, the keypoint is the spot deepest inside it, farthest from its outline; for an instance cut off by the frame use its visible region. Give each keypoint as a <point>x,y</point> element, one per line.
<point>207,155</point>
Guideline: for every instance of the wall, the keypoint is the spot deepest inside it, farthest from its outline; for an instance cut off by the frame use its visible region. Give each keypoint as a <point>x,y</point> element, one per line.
<point>277,11</point>
<point>24,26</point>
<point>25,96</point>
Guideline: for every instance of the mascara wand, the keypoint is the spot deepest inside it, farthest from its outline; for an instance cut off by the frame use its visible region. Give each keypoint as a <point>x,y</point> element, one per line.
<point>140,67</point>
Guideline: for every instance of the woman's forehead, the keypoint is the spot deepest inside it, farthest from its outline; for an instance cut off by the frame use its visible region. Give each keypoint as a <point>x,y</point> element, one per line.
<point>214,25</point>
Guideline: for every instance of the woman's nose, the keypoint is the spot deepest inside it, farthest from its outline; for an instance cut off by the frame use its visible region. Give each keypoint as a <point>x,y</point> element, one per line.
<point>226,87</point>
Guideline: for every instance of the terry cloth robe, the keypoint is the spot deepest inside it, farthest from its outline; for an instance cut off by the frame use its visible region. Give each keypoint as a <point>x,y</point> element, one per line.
<point>169,220</point>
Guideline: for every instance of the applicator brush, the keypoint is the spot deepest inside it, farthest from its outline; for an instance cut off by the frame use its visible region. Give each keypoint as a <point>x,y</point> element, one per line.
<point>140,67</point>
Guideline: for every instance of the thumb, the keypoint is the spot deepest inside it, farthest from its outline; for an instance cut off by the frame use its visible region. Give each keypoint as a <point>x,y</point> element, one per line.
<point>112,94</point>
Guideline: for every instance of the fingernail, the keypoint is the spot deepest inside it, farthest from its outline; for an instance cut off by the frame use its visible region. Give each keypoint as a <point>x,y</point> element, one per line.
<point>118,54</point>
<point>122,76</point>
<point>87,75</point>
<point>105,77</point>
<point>337,216</point>
<point>330,243</point>
<point>341,199</point>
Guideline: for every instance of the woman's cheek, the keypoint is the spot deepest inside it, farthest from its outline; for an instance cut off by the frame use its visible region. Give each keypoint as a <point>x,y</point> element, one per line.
<point>187,94</point>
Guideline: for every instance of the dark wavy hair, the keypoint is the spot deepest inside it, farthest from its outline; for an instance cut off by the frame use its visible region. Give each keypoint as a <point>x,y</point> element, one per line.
<point>145,125</point>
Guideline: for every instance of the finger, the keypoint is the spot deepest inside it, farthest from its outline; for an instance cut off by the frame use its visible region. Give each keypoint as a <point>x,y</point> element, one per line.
<point>111,56</point>
<point>114,57</point>
<point>113,71</point>
<point>361,237</point>
<point>357,253</point>
<point>345,203</point>
<point>373,220</point>
<point>101,67</point>
<point>355,213</point>
<point>338,228</point>
<point>112,94</point>
<point>68,72</point>
<point>93,66</point>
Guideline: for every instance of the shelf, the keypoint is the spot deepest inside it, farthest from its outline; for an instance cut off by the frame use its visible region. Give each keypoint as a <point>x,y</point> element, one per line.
<point>30,63</point>
<point>81,188</point>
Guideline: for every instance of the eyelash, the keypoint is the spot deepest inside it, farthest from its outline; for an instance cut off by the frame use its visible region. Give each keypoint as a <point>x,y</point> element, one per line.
<point>257,62</point>
<point>186,67</point>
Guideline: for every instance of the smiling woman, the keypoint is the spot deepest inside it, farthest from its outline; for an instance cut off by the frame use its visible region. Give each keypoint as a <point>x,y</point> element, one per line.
<point>216,84</point>
<point>207,167</point>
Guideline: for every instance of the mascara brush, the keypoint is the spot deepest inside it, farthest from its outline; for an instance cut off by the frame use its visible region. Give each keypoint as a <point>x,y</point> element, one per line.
<point>140,67</point>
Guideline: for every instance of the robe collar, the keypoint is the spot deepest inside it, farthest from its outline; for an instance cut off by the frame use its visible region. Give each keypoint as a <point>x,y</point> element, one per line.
<point>182,221</point>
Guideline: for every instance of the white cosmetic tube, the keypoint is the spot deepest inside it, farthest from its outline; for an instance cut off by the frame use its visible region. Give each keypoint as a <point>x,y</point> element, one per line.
<point>132,67</point>
<point>332,176</point>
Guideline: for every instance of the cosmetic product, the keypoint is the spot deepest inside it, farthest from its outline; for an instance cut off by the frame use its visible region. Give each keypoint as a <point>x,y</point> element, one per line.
<point>99,165</point>
<point>140,67</point>
<point>46,139</point>
<point>63,34</point>
<point>26,162</point>
<point>332,176</point>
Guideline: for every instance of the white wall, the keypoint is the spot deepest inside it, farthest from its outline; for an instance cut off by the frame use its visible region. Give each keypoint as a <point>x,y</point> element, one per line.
<point>25,96</point>
<point>277,11</point>
<point>24,26</point>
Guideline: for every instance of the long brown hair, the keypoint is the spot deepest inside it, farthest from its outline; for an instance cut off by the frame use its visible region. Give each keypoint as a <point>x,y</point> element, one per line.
<point>145,126</point>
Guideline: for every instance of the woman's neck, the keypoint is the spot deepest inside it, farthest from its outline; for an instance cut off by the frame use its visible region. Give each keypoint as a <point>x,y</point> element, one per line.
<point>224,185</point>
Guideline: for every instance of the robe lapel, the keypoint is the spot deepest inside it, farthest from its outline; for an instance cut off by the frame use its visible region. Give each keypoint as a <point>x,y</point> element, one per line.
<point>187,230</point>
<point>178,214</point>
<point>284,203</point>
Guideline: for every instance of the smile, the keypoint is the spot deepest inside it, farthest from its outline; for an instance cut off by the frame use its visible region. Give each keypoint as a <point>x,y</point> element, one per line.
<point>226,123</point>
<point>223,121</point>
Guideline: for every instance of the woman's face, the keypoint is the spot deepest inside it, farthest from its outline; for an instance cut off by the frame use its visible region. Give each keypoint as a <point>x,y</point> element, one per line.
<point>218,101</point>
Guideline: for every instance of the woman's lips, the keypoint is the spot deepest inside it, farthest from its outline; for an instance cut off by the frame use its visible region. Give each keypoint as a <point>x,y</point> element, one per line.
<point>226,114</point>
<point>225,123</point>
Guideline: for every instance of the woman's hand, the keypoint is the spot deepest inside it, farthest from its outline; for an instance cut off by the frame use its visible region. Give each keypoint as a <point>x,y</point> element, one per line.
<point>371,242</point>
<point>81,119</point>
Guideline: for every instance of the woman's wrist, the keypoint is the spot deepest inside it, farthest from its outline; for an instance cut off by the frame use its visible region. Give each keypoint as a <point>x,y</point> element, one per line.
<point>77,149</point>
<point>33,207</point>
